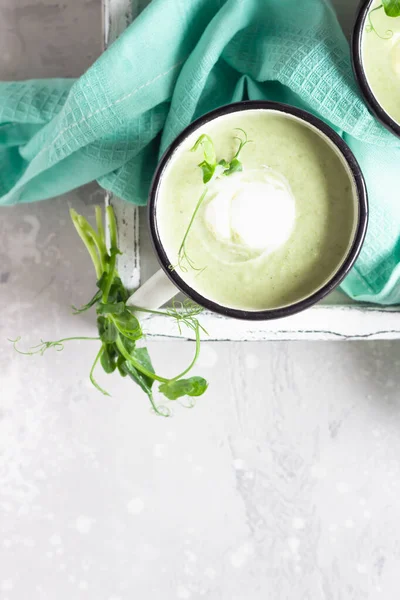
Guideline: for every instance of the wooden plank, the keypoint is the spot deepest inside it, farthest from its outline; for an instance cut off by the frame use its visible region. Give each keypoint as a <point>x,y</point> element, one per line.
<point>322,322</point>
<point>318,323</point>
<point>117,15</point>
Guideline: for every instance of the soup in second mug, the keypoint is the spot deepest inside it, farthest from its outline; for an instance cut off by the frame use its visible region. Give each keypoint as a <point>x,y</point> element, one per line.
<point>380,57</point>
<point>264,233</point>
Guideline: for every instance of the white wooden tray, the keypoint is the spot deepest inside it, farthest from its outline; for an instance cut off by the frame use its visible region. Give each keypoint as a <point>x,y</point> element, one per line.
<point>337,317</point>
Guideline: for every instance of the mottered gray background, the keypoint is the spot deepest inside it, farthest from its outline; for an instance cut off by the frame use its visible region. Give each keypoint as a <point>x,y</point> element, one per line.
<point>283,481</point>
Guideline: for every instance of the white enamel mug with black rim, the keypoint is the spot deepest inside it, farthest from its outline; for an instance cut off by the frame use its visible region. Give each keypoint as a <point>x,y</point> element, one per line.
<point>166,283</point>
<point>359,71</point>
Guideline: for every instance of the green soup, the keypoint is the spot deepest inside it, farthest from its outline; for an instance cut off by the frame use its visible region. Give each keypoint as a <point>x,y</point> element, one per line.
<point>381,58</point>
<point>322,191</point>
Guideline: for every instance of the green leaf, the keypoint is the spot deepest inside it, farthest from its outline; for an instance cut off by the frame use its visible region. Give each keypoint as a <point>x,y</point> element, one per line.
<point>91,302</point>
<point>142,356</point>
<point>108,359</point>
<point>102,281</point>
<point>392,7</point>
<point>208,148</point>
<point>208,171</point>
<point>194,386</point>
<point>224,163</point>
<point>128,325</point>
<point>117,292</point>
<point>129,345</point>
<point>111,309</point>
<point>123,371</point>
<point>107,330</point>
<point>234,167</point>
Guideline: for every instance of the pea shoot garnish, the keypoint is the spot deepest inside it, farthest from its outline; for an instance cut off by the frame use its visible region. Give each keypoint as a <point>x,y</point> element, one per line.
<point>211,170</point>
<point>119,330</point>
<point>392,9</point>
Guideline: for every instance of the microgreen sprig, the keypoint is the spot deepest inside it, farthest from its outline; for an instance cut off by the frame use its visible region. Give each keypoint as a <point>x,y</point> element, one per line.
<point>392,9</point>
<point>211,170</point>
<point>118,326</point>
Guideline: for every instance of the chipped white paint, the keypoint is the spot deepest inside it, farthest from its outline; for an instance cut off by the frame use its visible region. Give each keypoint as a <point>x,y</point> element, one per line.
<point>322,322</point>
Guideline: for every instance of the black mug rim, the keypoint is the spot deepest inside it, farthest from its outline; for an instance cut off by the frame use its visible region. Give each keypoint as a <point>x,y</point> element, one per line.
<point>360,229</point>
<point>359,72</point>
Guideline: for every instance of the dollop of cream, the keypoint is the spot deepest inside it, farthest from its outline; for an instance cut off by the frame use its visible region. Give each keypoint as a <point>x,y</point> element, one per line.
<point>254,210</point>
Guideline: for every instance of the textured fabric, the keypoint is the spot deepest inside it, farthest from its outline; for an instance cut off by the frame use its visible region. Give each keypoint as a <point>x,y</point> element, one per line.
<point>178,60</point>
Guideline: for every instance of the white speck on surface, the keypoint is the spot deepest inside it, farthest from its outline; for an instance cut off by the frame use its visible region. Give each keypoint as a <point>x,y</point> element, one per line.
<point>242,555</point>
<point>362,568</point>
<point>210,573</point>
<point>191,556</point>
<point>149,552</point>
<point>40,474</point>
<point>294,544</point>
<point>367,514</point>
<point>7,585</point>
<point>84,524</point>
<point>333,527</point>
<point>251,361</point>
<point>182,592</point>
<point>318,472</point>
<point>238,464</point>
<point>342,487</point>
<point>83,585</point>
<point>135,506</point>
<point>159,450</point>
<point>188,570</point>
<point>55,540</point>
<point>298,523</point>
<point>349,523</point>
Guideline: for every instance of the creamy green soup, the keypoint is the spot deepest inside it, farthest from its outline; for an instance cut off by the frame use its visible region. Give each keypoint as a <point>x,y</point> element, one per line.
<point>270,235</point>
<point>381,58</point>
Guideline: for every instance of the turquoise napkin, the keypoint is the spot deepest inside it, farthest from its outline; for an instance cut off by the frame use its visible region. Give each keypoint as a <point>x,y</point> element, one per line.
<point>178,60</point>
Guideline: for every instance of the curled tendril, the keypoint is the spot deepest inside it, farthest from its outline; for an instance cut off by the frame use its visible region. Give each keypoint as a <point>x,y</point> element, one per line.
<point>242,141</point>
<point>187,402</point>
<point>39,348</point>
<point>162,411</point>
<point>370,26</point>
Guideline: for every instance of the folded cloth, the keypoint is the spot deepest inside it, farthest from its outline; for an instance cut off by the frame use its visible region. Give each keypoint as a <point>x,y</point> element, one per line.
<point>178,60</point>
